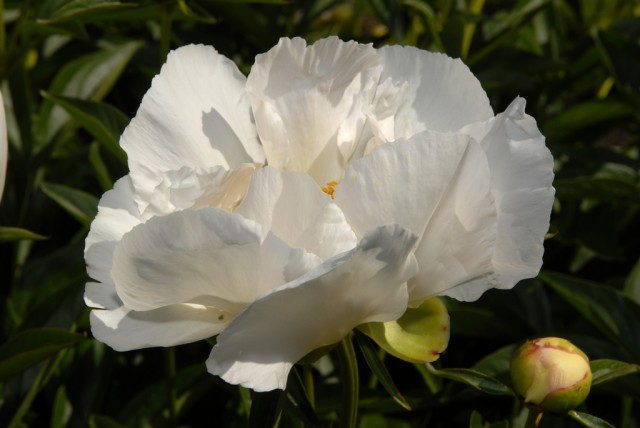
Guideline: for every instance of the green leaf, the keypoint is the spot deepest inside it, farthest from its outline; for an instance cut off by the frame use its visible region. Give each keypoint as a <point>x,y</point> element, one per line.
<point>102,172</point>
<point>609,310</point>
<point>265,409</point>
<point>101,421</point>
<point>79,10</point>
<point>608,370</point>
<point>104,122</point>
<point>81,205</point>
<point>29,347</point>
<point>89,77</point>
<point>583,115</point>
<point>8,234</point>
<point>61,409</point>
<point>297,400</point>
<point>473,378</point>
<point>378,368</point>
<point>588,420</point>
<point>348,366</point>
<point>632,284</point>
<point>475,421</point>
<point>600,188</point>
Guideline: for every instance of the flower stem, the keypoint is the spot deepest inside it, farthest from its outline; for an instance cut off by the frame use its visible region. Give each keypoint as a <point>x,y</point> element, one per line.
<point>309,387</point>
<point>533,418</point>
<point>170,367</point>
<point>349,377</point>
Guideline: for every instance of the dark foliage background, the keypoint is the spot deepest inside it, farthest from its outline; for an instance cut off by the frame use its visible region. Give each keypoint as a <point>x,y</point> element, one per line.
<point>73,73</point>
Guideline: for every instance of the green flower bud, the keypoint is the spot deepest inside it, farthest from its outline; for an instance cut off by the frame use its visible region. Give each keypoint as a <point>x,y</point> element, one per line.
<point>418,336</point>
<point>551,373</point>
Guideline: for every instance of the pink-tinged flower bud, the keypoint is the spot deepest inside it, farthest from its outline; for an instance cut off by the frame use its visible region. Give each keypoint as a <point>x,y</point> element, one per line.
<point>551,373</point>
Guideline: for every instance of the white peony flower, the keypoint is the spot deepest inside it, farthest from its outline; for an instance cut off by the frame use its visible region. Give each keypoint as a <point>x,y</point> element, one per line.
<point>283,210</point>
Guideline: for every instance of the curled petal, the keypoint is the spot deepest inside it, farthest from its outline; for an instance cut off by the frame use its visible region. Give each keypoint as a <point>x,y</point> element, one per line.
<point>437,186</point>
<point>308,102</point>
<point>117,215</point>
<point>292,206</point>
<point>207,256</point>
<point>422,90</point>
<point>124,329</point>
<point>187,187</point>
<point>366,284</point>
<point>521,169</point>
<point>195,114</point>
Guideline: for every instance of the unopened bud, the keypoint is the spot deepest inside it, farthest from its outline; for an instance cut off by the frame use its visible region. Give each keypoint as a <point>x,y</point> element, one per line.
<point>551,373</point>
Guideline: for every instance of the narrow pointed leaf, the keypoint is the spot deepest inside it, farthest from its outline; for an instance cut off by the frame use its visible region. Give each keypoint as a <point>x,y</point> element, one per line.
<point>265,409</point>
<point>298,401</point>
<point>608,370</point>
<point>104,122</point>
<point>473,378</point>
<point>609,310</point>
<point>89,77</point>
<point>378,368</point>
<point>83,9</point>
<point>81,205</point>
<point>588,420</point>
<point>8,234</point>
<point>29,347</point>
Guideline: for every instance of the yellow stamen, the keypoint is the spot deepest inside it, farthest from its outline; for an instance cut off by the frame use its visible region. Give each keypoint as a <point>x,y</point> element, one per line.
<point>330,188</point>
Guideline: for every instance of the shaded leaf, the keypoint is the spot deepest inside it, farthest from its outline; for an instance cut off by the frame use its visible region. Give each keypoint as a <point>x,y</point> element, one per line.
<point>101,421</point>
<point>8,234</point>
<point>89,77</point>
<point>104,122</point>
<point>378,368</point>
<point>588,420</point>
<point>81,205</point>
<point>80,9</point>
<point>29,347</point>
<point>583,115</point>
<point>608,370</point>
<point>473,378</point>
<point>609,310</point>
<point>298,401</point>
<point>265,409</point>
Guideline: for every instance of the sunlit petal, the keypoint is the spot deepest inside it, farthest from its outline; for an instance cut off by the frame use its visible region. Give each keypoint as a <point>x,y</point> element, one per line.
<point>366,284</point>
<point>308,103</point>
<point>206,256</point>
<point>195,114</point>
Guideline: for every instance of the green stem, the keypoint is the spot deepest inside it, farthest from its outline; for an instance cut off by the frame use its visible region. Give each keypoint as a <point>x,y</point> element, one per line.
<point>475,7</point>
<point>170,368</point>
<point>533,418</point>
<point>349,377</point>
<point>41,380</point>
<point>307,371</point>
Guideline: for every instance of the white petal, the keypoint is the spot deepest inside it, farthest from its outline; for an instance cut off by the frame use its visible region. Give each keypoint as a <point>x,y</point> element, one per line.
<point>438,186</point>
<point>400,182</point>
<point>4,146</point>
<point>308,103</point>
<point>117,215</point>
<point>521,182</point>
<point>366,284</point>
<point>124,330</point>
<point>292,206</point>
<point>197,188</point>
<point>455,253</point>
<point>422,90</point>
<point>206,256</point>
<point>195,114</point>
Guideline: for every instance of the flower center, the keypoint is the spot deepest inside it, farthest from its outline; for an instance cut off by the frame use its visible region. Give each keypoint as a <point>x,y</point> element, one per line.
<point>330,187</point>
